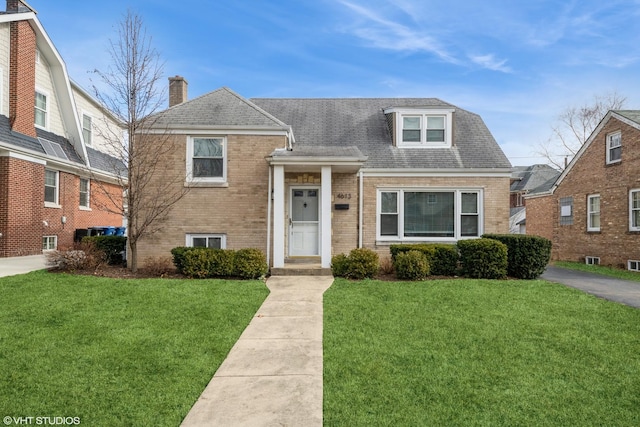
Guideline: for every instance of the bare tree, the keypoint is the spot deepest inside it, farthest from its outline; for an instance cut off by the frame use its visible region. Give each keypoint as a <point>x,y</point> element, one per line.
<point>133,90</point>
<point>574,126</point>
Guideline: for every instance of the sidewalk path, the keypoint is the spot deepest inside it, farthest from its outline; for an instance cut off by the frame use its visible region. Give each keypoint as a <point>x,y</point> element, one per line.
<point>622,291</point>
<point>273,374</point>
<point>22,264</point>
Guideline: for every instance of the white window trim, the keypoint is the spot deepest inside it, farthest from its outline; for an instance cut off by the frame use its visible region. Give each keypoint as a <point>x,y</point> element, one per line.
<point>46,111</point>
<point>189,162</point>
<point>590,227</point>
<point>223,238</point>
<point>631,227</point>
<point>457,213</point>
<point>86,207</point>
<point>55,204</point>
<point>89,143</point>
<point>447,113</point>
<point>609,137</point>
<point>55,240</point>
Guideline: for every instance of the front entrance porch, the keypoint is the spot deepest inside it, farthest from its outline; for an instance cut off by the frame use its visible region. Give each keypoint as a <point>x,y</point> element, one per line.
<point>301,210</point>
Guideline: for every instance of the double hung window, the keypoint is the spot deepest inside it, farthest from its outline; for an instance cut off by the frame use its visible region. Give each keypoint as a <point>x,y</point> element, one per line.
<point>51,186</point>
<point>41,110</point>
<point>429,214</point>
<point>634,210</point>
<point>614,147</point>
<point>206,159</point>
<point>593,213</point>
<point>84,192</point>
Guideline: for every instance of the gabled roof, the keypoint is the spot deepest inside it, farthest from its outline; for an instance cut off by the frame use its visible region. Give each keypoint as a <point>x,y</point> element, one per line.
<point>361,122</point>
<point>629,117</point>
<point>221,108</point>
<point>533,179</point>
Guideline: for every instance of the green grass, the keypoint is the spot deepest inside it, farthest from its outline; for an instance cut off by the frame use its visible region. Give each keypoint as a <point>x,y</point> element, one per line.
<point>115,352</point>
<point>478,353</point>
<point>600,269</point>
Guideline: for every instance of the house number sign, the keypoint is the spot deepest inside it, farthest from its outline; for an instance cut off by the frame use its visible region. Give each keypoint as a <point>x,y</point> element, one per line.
<point>343,196</point>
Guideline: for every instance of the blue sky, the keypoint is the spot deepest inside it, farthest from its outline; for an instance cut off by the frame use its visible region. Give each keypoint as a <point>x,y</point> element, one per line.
<point>517,64</point>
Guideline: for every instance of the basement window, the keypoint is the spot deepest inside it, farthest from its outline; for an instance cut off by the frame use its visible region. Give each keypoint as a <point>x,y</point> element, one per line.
<point>592,260</point>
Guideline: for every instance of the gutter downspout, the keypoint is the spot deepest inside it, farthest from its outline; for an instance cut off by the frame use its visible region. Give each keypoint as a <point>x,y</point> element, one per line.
<point>269,217</point>
<point>361,205</point>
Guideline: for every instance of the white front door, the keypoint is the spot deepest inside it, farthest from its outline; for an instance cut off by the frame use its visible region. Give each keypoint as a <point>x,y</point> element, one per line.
<point>304,223</point>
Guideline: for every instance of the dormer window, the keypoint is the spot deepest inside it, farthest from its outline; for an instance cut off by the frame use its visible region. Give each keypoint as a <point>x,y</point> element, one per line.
<point>422,127</point>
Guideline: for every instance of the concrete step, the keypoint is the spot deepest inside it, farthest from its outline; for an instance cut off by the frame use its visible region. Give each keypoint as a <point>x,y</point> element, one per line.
<point>301,270</point>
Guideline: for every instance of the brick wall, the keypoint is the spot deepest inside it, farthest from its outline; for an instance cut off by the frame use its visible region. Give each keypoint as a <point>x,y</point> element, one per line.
<point>614,243</point>
<point>22,78</point>
<point>24,219</point>
<point>496,201</point>
<point>238,210</point>
<point>22,201</point>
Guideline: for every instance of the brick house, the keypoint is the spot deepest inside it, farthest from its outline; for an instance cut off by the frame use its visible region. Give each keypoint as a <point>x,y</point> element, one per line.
<point>55,174</point>
<point>592,212</point>
<point>311,178</point>
<point>527,180</point>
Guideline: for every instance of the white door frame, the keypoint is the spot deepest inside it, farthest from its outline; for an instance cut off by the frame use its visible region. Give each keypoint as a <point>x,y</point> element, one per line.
<point>319,225</point>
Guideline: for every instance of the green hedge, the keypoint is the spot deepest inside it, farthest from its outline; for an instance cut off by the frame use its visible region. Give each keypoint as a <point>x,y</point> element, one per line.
<point>527,256</point>
<point>250,263</point>
<point>207,263</point>
<point>483,258</point>
<point>361,263</point>
<point>112,246</point>
<point>443,259</point>
<point>412,265</point>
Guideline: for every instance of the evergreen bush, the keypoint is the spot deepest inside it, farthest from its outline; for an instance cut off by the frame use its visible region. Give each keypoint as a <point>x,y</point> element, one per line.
<point>483,258</point>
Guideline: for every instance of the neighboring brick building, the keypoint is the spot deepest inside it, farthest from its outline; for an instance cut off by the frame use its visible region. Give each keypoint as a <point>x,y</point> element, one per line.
<point>53,178</point>
<point>592,212</point>
<point>527,180</point>
<point>310,178</point>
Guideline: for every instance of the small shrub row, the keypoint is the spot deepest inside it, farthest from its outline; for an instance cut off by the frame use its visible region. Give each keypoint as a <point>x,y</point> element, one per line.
<point>113,247</point>
<point>360,264</point>
<point>442,258</point>
<point>412,265</point>
<point>203,263</point>
<point>527,256</point>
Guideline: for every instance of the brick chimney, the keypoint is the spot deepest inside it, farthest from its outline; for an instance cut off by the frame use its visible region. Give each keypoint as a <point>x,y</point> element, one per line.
<point>177,90</point>
<point>22,74</point>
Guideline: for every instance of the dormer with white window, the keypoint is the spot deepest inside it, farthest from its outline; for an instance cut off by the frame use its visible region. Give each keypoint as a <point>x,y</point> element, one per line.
<point>421,127</point>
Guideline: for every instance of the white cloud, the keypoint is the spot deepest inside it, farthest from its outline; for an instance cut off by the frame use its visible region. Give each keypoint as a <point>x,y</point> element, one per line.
<point>491,63</point>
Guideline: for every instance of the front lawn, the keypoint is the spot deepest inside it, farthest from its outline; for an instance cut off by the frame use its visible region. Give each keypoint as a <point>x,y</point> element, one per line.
<point>478,352</point>
<point>115,352</point>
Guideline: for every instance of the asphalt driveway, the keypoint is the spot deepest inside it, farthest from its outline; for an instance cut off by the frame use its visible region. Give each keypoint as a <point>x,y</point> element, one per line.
<point>622,291</point>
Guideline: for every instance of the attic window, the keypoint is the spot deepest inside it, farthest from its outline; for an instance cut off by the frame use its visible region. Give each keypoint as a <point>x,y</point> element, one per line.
<point>52,148</point>
<point>423,127</point>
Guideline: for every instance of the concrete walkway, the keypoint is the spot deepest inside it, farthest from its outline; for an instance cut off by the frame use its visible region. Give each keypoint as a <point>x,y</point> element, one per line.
<point>22,264</point>
<point>618,290</point>
<point>273,374</point>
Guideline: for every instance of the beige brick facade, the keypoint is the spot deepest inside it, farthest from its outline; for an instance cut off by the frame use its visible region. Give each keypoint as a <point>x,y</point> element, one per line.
<point>590,175</point>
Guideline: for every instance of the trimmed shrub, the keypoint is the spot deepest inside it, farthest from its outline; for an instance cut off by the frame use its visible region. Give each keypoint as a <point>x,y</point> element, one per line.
<point>443,259</point>
<point>250,263</point>
<point>197,263</point>
<point>483,258</point>
<point>412,265</point>
<point>223,262</point>
<point>339,265</point>
<point>178,254</point>
<point>361,263</point>
<point>527,256</point>
<point>112,246</point>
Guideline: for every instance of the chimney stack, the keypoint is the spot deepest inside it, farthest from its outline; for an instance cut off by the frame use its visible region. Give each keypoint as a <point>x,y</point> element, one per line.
<point>177,90</point>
